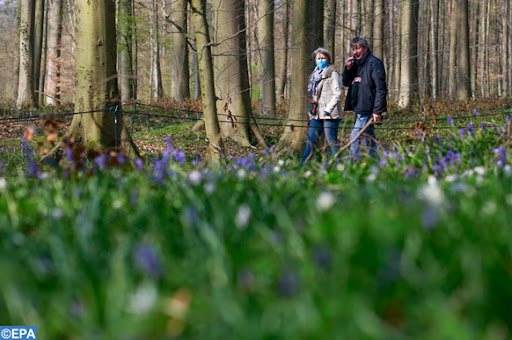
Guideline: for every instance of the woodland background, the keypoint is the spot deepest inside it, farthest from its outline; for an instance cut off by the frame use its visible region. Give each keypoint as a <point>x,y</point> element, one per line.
<point>390,26</point>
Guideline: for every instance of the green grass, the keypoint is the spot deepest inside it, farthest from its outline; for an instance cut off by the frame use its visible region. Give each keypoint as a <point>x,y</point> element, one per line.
<point>414,245</point>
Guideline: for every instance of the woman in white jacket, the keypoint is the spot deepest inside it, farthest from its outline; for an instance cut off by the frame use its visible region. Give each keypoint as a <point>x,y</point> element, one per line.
<point>325,110</point>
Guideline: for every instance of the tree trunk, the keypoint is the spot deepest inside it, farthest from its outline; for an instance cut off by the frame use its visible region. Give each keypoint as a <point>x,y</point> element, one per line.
<point>231,75</point>
<point>96,87</point>
<point>367,21</point>
<point>307,31</point>
<point>434,40</point>
<point>453,49</point>
<point>135,54</point>
<point>26,73</point>
<point>398,52</point>
<point>179,62</point>
<point>44,61</point>
<point>125,50</point>
<point>283,65</point>
<point>266,42</point>
<point>482,47</point>
<point>157,89</point>
<point>504,54</point>
<point>330,28</point>
<point>197,79</point>
<point>463,55</point>
<point>38,46</point>
<point>202,34</point>
<point>409,65</point>
<point>55,45</point>
<point>378,29</point>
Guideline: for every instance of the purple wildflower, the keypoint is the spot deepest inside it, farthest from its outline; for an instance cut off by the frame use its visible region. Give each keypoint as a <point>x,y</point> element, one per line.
<point>462,133</point>
<point>429,219</point>
<point>179,156</point>
<point>139,164</point>
<point>483,126</point>
<point>147,260</point>
<point>449,120</point>
<point>101,162</point>
<point>501,156</point>
<point>470,129</point>
<point>507,118</point>
<point>288,284</point>
<point>475,112</point>
<point>322,256</point>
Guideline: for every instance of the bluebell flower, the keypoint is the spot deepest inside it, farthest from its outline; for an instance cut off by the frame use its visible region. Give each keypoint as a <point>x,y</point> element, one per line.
<point>101,161</point>
<point>139,164</point>
<point>507,118</point>
<point>470,129</point>
<point>483,126</point>
<point>449,120</point>
<point>429,219</point>
<point>462,133</point>
<point>288,284</point>
<point>475,112</point>
<point>147,260</point>
<point>501,156</point>
<point>322,256</point>
<point>179,156</point>
<point>32,168</point>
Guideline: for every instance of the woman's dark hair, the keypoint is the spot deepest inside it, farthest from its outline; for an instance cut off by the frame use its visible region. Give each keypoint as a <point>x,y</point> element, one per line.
<point>324,51</point>
<point>358,40</point>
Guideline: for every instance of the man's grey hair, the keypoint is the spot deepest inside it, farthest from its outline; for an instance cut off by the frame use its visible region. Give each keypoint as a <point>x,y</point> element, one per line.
<point>358,40</point>
<point>323,51</point>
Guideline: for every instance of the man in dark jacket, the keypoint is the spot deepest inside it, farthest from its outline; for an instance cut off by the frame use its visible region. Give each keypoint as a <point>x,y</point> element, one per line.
<point>365,77</point>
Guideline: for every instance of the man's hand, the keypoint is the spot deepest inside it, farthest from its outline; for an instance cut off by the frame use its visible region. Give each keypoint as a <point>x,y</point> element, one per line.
<point>377,119</point>
<point>349,62</point>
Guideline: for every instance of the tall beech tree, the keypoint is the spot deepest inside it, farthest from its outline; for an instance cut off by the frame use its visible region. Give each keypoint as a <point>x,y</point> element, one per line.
<point>180,89</point>
<point>307,32</point>
<point>52,90</point>
<point>204,51</point>
<point>409,61</point>
<point>266,45</point>
<point>231,74</point>
<point>125,26</point>
<point>26,73</point>
<point>96,80</point>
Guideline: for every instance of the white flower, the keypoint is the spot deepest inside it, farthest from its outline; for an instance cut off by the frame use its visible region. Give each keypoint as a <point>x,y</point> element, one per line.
<point>431,192</point>
<point>243,216</point>
<point>489,208</point>
<point>325,201</point>
<point>57,213</point>
<point>371,177</point>
<point>480,170</point>
<point>117,204</point>
<point>209,188</point>
<point>280,162</point>
<point>451,178</point>
<point>241,173</point>
<point>307,174</point>
<point>340,167</point>
<point>195,177</point>
<point>3,183</point>
<point>277,168</point>
<point>143,300</point>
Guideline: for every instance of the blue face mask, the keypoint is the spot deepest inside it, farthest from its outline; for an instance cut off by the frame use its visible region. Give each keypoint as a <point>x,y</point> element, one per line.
<point>321,63</point>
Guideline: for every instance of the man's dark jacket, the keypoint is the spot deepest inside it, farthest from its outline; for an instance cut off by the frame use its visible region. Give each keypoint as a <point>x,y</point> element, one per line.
<point>371,92</point>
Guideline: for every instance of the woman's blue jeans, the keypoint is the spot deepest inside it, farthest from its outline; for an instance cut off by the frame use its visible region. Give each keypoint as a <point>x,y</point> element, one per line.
<point>367,138</point>
<point>316,128</point>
